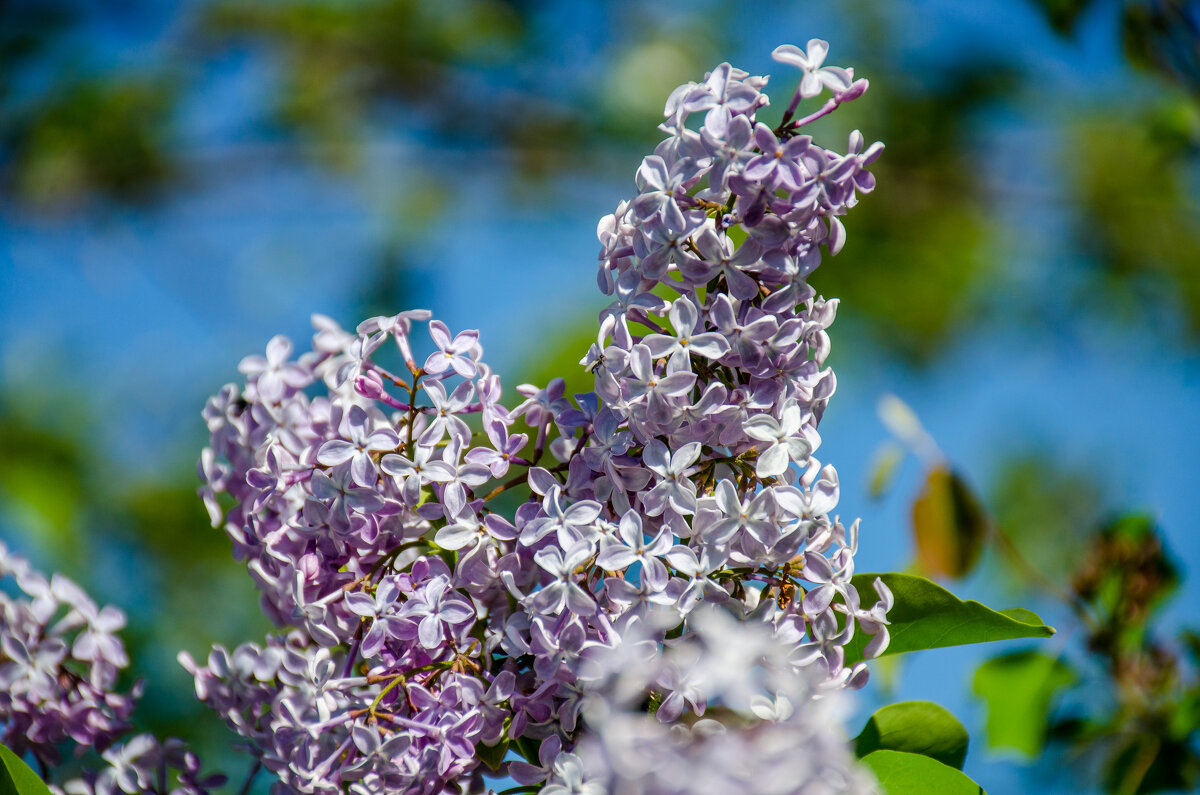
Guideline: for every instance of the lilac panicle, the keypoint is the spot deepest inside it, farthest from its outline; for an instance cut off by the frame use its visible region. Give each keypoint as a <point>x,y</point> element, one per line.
<point>60,658</point>
<point>59,663</point>
<point>420,623</point>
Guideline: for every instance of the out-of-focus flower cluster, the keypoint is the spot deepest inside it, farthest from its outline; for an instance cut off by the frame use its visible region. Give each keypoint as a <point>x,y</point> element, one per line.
<point>60,659</point>
<point>59,662</point>
<point>433,633</point>
<point>764,731</point>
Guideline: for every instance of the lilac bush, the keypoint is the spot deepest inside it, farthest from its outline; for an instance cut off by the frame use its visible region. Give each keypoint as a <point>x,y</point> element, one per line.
<point>667,607</point>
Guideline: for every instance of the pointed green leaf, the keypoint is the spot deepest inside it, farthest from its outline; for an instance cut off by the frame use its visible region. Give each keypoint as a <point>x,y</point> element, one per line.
<point>16,778</point>
<point>1018,690</point>
<point>1021,615</point>
<point>917,727</point>
<point>492,755</point>
<point>901,773</point>
<point>927,616</point>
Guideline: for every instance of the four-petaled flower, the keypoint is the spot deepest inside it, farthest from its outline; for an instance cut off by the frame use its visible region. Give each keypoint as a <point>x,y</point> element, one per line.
<point>811,61</point>
<point>367,435</point>
<point>274,372</point>
<point>563,590</point>
<point>630,546</point>
<point>787,445</point>
<point>689,338</point>
<point>458,353</point>
<point>674,489</point>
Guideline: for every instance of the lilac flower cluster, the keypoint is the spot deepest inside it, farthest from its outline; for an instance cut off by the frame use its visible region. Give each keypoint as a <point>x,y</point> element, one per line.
<point>765,729</point>
<point>60,659</point>
<point>59,662</point>
<point>431,631</point>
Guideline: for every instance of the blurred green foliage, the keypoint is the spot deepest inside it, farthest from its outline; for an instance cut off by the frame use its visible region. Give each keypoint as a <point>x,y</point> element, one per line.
<point>337,62</point>
<point>1119,704</point>
<point>1124,708</point>
<point>1018,689</point>
<point>924,237</point>
<point>1158,35</point>
<point>343,73</point>
<point>175,579</point>
<point>1139,221</point>
<point>1041,502</point>
<point>92,135</point>
<point>66,133</point>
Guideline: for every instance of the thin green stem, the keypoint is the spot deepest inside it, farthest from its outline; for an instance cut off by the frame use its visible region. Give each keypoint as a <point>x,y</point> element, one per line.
<point>254,768</point>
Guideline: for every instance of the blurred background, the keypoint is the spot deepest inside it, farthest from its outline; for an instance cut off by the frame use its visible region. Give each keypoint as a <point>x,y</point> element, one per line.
<point>179,181</point>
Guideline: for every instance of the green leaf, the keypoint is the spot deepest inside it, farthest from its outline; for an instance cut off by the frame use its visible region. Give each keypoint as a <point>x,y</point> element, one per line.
<point>1021,615</point>
<point>1018,690</point>
<point>492,755</point>
<point>949,525</point>
<point>16,778</point>
<point>901,773</point>
<point>917,727</point>
<point>927,616</point>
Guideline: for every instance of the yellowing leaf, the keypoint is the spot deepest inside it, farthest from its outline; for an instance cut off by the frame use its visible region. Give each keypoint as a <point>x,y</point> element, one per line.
<point>949,525</point>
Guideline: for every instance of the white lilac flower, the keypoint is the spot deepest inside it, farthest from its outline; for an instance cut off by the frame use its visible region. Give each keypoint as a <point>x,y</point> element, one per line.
<point>366,434</point>
<point>445,410</point>
<point>571,524</point>
<point>816,75</point>
<point>439,610</point>
<point>569,779</point>
<point>752,515</point>
<point>674,488</point>
<point>630,547</point>
<point>421,470</point>
<point>381,612</point>
<point>781,739</point>
<point>685,318</point>
<point>787,445</point>
<point>563,591</point>
<point>458,353</point>
<point>273,373</point>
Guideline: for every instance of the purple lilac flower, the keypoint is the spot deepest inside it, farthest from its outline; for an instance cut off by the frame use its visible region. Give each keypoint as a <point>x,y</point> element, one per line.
<point>60,658</point>
<point>273,374</point>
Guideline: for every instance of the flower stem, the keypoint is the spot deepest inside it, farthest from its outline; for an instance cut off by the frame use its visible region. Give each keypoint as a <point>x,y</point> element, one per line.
<point>254,768</point>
